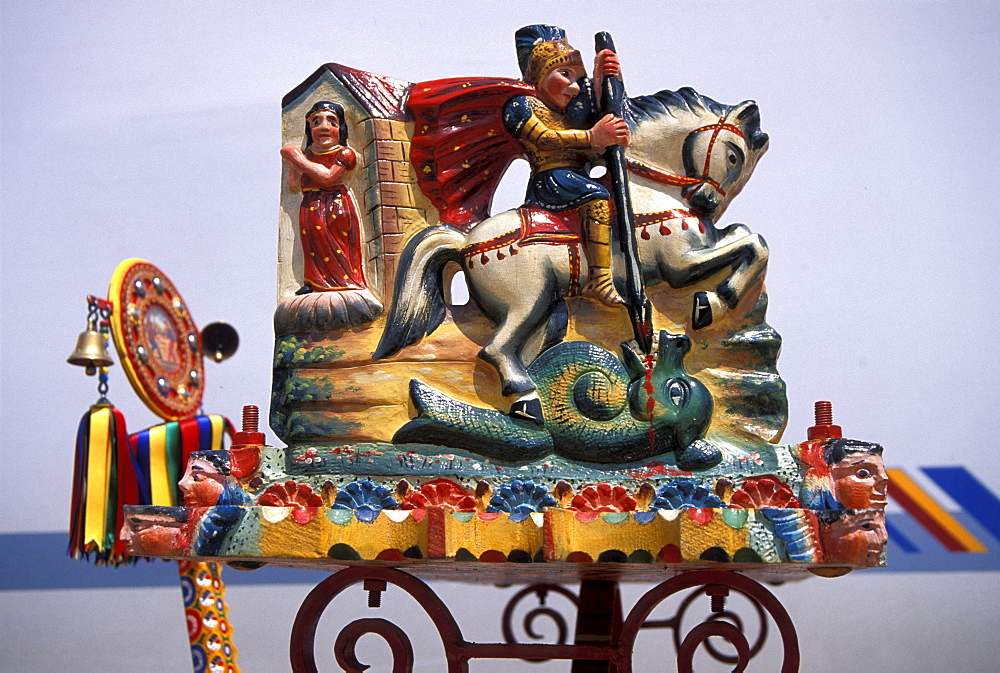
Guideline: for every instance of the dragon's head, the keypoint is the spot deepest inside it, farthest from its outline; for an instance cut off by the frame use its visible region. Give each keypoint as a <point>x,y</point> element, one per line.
<point>677,405</point>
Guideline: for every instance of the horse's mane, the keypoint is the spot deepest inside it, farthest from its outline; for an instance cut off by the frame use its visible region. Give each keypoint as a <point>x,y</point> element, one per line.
<point>688,101</point>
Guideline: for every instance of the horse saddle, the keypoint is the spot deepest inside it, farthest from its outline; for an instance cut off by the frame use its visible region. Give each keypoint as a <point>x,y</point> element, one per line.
<point>538,227</point>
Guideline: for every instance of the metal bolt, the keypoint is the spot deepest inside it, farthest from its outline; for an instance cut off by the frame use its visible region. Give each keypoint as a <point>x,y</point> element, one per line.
<point>824,413</point>
<point>718,593</point>
<point>824,428</point>
<point>374,589</point>
<point>251,415</point>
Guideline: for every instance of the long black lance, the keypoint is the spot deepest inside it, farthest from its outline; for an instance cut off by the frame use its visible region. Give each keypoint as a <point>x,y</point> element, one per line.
<point>639,310</point>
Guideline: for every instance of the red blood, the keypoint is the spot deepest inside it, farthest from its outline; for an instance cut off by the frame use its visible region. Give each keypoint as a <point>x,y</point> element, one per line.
<point>650,402</point>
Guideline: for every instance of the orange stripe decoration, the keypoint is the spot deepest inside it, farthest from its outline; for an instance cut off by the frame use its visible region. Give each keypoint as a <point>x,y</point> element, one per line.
<point>938,522</point>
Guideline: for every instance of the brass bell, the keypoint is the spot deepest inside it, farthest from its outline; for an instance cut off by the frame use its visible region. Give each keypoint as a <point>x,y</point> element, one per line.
<point>219,340</point>
<point>90,350</point>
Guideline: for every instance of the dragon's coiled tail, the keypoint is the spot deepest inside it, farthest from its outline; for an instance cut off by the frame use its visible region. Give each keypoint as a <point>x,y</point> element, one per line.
<point>448,422</point>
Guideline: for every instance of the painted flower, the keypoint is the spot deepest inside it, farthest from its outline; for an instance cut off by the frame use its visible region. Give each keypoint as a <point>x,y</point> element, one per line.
<point>440,493</point>
<point>300,497</point>
<point>759,492</point>
<point>682,494</point>
<point>521,497</point>
<point>365,496</point>
<point>603,497</point>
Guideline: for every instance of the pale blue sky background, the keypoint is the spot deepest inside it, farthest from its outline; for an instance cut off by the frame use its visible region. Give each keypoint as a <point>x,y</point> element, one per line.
<point>151,130</point>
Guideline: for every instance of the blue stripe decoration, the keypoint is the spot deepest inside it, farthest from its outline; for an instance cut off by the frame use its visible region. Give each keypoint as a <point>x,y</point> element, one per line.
<point>204,433</point>
<point>34,561</point>
<point>897,537</point>
<point>970,494</point>
<point>142,460</point>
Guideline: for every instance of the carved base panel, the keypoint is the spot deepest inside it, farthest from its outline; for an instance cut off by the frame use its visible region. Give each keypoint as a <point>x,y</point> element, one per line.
<point>557,540</point>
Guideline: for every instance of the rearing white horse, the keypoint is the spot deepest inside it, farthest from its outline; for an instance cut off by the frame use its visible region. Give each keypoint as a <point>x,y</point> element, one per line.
<point>688,158</point>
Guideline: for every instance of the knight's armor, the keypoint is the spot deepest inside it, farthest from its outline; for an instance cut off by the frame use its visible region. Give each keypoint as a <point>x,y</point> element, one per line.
<point>558,150</point>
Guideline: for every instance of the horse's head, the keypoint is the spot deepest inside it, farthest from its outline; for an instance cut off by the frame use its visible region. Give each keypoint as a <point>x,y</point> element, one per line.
<point>721,156</point>
<point>706,148</point>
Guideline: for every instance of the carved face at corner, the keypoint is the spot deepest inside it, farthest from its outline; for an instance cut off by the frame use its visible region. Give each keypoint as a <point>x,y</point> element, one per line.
<point>856,538</point>
<point>560,85</point>
<point>860,481</point>
<point>155,534</point>
<point>202,483</point>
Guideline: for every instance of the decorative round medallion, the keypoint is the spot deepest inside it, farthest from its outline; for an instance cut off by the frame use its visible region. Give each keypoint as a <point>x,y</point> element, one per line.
<point>157,340</point>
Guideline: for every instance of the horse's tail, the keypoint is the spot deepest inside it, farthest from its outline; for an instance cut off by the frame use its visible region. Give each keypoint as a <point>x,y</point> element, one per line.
<point>418,305</point>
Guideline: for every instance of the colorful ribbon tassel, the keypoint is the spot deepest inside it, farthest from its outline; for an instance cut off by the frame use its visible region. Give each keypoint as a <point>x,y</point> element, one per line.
<point>113,469</point>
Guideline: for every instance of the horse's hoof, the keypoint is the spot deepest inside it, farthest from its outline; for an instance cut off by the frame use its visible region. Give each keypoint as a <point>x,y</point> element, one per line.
<point>528,410</point>
<point>699,455</point>
<point>701,314</point>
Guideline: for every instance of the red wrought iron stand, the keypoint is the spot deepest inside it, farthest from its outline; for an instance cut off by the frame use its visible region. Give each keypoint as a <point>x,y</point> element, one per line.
<point>603,641</point>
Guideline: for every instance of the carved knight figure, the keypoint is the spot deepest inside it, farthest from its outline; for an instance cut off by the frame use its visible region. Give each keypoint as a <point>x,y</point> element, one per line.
<point>551,125</point>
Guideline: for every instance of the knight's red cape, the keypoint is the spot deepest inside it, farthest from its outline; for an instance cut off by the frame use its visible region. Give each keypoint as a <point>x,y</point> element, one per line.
<point>460,147</point>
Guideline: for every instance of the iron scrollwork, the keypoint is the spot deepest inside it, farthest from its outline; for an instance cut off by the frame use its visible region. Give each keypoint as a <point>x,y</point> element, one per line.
<point>541,610</point>
<point>615,651</point>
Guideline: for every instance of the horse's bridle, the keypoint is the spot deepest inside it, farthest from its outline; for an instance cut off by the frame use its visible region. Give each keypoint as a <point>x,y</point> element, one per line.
<point>667,178</point>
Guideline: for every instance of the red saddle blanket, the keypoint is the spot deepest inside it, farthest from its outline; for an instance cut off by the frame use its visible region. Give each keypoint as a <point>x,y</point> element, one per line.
<point>538,227</point>
<point>543,226</point>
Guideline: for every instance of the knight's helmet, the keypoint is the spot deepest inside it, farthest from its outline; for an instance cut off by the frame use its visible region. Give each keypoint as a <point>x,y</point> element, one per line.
<point>540,48</point>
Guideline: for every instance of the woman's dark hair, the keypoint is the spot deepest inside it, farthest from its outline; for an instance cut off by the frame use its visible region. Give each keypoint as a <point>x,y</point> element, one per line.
<point>337,109</point>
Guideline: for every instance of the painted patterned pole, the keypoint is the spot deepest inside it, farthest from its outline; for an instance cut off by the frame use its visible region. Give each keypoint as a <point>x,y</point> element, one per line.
<point>206,614</point>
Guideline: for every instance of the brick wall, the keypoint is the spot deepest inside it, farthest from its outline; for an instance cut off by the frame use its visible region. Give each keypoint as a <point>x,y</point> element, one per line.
<point>392,201</point>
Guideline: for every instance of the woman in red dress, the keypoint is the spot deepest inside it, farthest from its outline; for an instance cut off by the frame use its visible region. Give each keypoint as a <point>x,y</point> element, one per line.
<point>329,226</point>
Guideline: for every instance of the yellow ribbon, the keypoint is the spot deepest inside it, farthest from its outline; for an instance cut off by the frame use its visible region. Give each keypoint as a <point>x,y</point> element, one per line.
<point>98,477</point>
<point>218,430</point>
<point>161,490</point>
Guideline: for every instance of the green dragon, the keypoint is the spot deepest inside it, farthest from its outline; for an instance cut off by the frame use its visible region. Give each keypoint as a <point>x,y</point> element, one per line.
<point>597,409</point>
